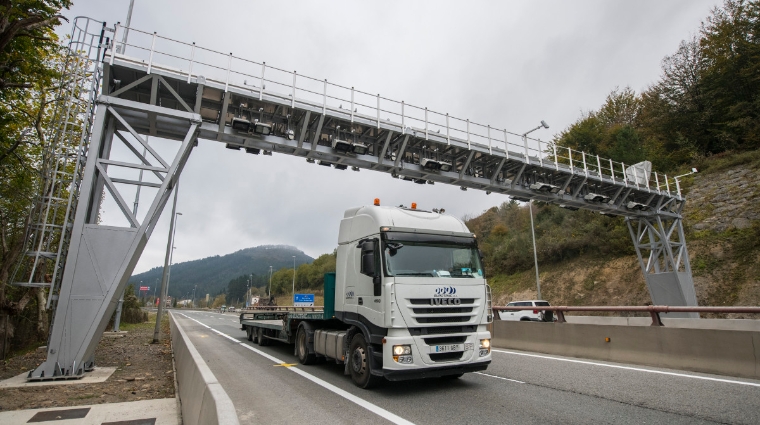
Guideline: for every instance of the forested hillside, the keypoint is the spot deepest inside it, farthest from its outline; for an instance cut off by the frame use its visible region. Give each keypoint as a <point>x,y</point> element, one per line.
<point>704,112</point>
<point>213,274</point>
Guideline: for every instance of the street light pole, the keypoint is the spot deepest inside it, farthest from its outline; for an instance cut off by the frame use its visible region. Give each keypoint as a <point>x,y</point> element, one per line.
<point>530,210</point>
<point>126,30</point>
<point>269,288</point>
<point>167,259</point>
<point>294,280</point>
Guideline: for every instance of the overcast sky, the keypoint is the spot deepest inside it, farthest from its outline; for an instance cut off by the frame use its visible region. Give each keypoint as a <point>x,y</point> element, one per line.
<point>507,64</point>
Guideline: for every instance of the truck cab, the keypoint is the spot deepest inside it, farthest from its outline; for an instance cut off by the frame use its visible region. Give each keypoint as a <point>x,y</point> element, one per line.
<point>412,283</point>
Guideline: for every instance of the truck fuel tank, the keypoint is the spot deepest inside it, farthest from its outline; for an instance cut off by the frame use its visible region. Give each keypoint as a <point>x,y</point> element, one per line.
<point>329,343</point>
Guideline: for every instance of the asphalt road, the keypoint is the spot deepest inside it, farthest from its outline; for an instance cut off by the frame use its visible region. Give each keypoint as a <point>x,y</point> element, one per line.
<point>518,387</point>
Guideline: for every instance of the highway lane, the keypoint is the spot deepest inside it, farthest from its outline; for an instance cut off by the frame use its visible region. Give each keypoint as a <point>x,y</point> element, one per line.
<point>518,387</point>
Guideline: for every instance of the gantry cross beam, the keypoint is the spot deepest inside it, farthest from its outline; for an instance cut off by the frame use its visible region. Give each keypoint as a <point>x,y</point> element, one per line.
<point>182,92</point>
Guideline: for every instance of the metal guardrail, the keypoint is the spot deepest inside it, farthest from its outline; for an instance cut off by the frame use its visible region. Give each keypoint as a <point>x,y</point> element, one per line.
<point>279,308</point>
<point>192,61</point>
<point>653,310</point>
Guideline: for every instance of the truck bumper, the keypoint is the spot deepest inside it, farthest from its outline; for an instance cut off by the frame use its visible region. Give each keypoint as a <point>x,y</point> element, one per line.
<point>434,372</point>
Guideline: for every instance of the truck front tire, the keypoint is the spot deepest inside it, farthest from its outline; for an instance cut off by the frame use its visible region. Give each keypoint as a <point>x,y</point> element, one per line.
<point>360,363</point>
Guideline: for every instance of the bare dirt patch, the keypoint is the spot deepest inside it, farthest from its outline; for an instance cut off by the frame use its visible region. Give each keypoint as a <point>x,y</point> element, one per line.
<point>143,371</point>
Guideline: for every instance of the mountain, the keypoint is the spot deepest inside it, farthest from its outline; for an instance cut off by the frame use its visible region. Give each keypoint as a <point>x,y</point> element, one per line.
<point>212,274</point>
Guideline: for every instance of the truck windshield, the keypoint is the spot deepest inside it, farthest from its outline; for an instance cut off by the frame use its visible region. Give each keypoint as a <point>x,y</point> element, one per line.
<point>427,259</point>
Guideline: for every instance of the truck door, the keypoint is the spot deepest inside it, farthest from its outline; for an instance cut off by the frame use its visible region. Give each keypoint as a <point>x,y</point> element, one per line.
<point>368,288</point>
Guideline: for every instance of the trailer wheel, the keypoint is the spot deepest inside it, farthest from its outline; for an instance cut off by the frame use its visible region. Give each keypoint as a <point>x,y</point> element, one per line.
<point>302,348</point>
<point>260,338</point>
<point>360,366</point>
<point>249,333</point>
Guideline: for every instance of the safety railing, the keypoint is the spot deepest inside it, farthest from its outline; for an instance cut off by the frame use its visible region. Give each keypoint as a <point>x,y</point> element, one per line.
<point>653,310</point>
<point>278,308</point>
<point>191,61</point>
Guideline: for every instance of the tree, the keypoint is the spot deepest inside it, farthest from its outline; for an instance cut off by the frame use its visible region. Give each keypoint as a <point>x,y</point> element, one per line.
<point>730,46</point>
<point>219,301</point>
<point>26,39</point>
<point>29,69</point>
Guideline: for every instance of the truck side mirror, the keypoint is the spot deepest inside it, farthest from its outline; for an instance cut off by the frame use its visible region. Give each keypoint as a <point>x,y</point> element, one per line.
<point>368,258</point>
<point>369,262</point>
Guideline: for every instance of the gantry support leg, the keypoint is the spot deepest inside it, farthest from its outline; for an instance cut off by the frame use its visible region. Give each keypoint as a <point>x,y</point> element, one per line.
<point>101,258</point>
<point>661,248</point>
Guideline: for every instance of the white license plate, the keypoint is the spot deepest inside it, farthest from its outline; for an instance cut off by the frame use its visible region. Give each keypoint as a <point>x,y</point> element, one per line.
<point>446,348</point>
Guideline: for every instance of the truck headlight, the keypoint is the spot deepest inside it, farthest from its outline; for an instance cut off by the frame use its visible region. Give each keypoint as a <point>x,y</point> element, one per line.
<point>485,347</point>
<point>400,350</point>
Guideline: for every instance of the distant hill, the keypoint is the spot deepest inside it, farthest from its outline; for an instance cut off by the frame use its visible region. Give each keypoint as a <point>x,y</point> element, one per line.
<point>212,274</point>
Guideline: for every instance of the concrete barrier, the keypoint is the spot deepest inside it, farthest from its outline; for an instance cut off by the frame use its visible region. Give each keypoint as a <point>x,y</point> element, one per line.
<point>202,398</point>
<point>724,324</point>
<point>723,352</point>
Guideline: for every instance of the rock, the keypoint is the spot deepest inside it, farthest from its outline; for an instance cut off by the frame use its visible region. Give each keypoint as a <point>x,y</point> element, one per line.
<point>700,226</point>
<point>741,223</point>
<point>130,378</point>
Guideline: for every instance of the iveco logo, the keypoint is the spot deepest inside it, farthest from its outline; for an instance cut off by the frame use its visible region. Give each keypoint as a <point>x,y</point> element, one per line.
<point>445,291</point>
<point>445,301</point>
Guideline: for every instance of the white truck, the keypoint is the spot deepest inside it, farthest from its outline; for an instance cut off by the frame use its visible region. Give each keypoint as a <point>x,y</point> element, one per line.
<point>409,300</point>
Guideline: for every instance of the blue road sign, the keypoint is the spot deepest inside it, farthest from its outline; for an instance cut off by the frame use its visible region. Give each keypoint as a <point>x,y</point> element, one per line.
<point>303,300</point>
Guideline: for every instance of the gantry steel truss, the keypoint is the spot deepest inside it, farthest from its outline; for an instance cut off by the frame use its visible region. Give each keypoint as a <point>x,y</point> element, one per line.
<point>140,96</point>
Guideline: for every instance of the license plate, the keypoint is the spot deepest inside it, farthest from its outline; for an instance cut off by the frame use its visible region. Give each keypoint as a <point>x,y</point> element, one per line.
<point>446,348</point>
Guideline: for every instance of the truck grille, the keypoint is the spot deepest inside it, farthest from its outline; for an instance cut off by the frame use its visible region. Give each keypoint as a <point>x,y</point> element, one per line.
<point>445,340</point>
<point>449,319</point>
<point>437,330</point>
<point>426,311</point>
<point>424,301</point>
<point>442,310</point>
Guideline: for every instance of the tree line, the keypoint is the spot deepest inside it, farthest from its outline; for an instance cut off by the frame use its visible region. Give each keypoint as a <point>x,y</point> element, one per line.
<point>706,101</point>
<point>308,277</point>
<point>30,61</point>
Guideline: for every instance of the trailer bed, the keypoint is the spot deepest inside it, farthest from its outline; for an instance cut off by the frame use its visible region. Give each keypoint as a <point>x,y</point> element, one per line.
<point>278,323</point>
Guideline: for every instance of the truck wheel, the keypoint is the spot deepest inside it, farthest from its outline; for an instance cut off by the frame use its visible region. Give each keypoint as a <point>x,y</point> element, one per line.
<point>360,366</point>
<point>260,338</point>
<point>249,333</point>
<point>302,348</point>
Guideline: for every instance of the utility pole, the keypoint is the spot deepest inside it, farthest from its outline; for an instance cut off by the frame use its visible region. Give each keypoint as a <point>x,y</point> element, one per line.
<point>530,210</point>
<point>294,280</point>
<point>126,30</point>
<point>164,281</point>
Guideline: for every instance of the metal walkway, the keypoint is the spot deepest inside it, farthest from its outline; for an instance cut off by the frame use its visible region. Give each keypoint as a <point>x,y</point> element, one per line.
<point>179,91</point>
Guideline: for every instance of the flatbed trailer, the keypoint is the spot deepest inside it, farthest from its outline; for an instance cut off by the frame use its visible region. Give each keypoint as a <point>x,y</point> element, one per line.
<point>265,324</point>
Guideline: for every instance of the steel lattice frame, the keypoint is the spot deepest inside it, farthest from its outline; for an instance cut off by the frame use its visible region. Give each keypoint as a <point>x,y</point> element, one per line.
<point>141,97</point>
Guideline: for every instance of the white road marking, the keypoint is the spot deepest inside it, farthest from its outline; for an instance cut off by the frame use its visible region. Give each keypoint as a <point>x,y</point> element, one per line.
<point>636,369</point>
<point>499,377</point>
<point>345,394</point>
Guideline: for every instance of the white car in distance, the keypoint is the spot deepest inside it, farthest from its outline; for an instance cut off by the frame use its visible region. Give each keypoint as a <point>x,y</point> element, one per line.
<point>532,314</point>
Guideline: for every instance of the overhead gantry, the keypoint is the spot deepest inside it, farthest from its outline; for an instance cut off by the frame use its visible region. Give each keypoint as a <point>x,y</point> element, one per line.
<point>159,87</point>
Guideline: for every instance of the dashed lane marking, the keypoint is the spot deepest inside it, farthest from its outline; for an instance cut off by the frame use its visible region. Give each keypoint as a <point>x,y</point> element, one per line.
<point>499,377</point>
<point>324,384</point>
<point>636,369</point>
